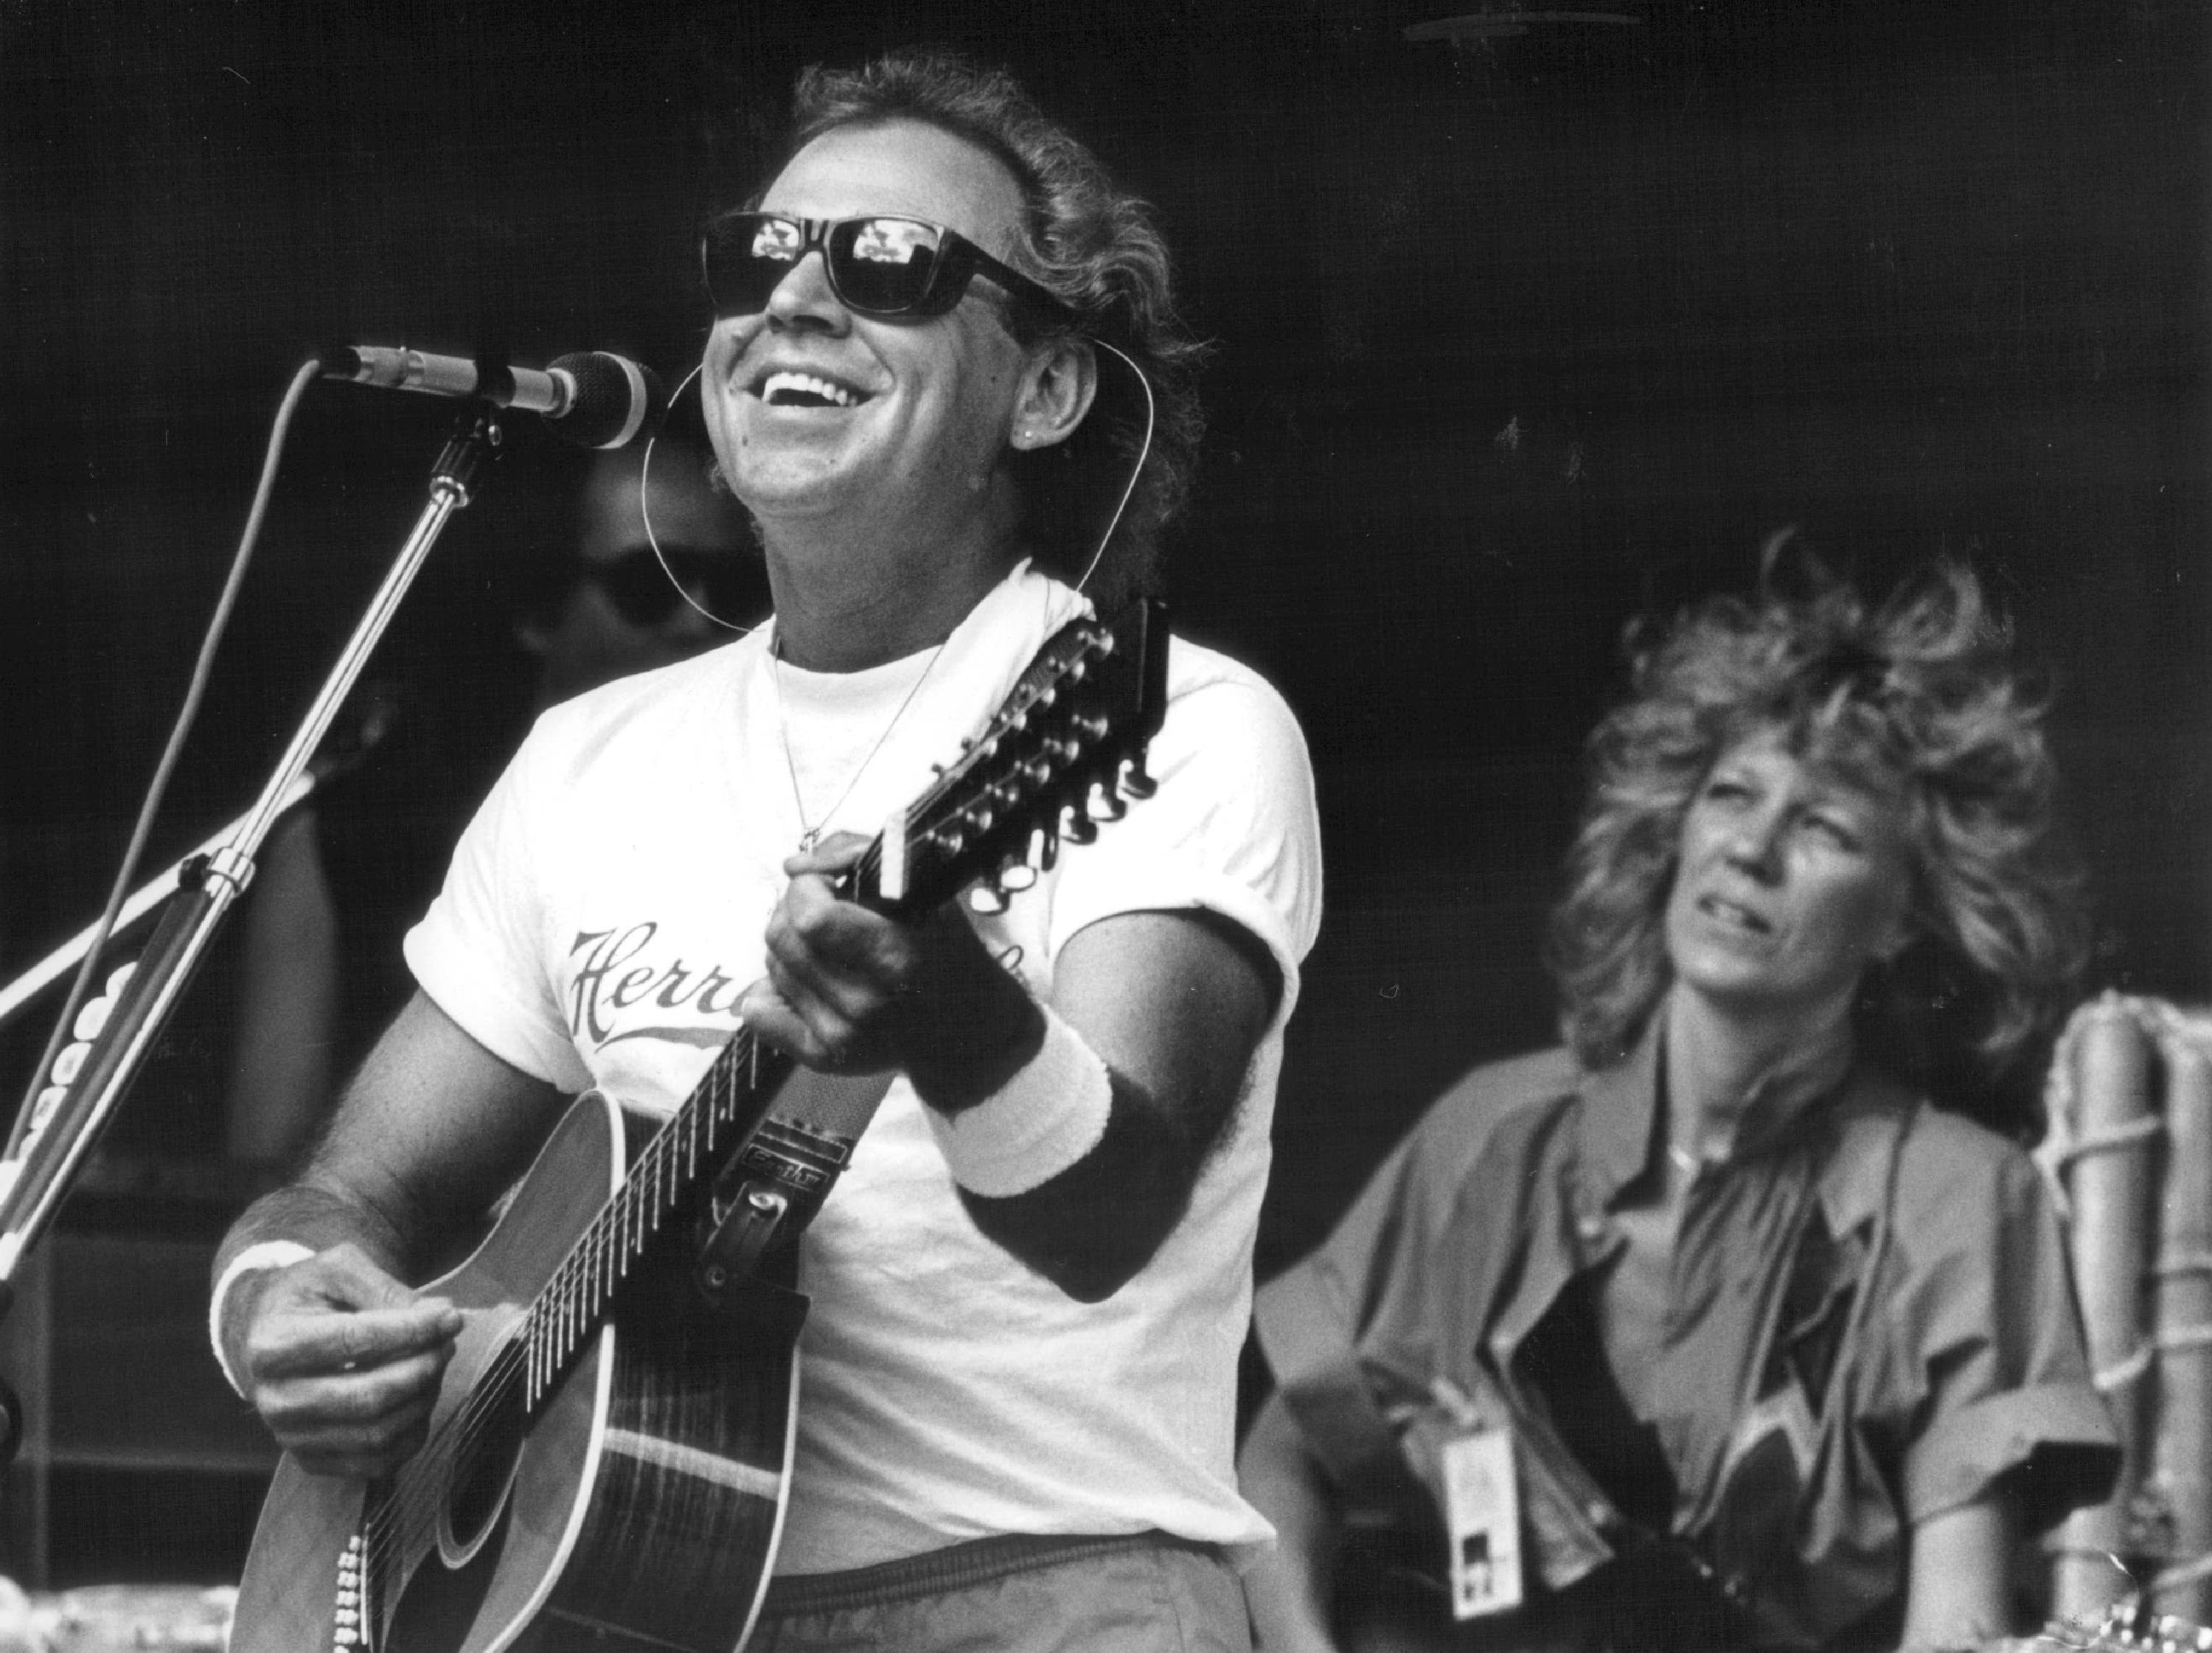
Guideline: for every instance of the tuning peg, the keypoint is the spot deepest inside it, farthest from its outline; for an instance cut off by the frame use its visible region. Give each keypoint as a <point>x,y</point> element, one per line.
<point>1135,782</point>
<point>1105,804</point>
<point>1078,828</point>
<point>988,899</point>
<point>1016,877</point>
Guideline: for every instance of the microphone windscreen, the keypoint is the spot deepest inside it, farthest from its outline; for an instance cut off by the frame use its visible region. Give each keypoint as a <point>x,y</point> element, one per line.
<point>617,400</point>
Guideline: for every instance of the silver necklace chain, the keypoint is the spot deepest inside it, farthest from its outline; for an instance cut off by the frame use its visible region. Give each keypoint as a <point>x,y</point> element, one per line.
<point>810,832</point>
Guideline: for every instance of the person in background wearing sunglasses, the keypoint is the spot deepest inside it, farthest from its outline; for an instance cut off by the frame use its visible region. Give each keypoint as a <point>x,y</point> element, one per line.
<point>319,972</point>
<point>626,600</point>
<point>1029,1286</point>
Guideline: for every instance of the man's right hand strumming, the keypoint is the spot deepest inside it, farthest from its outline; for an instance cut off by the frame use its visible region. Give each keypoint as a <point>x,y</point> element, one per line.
<point>340,1360</point>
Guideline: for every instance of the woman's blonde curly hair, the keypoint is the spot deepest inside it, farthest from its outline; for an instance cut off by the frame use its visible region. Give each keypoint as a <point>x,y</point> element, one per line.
<point>1915,703</point>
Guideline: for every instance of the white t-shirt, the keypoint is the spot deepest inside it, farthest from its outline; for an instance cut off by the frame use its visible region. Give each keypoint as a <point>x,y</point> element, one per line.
<point>604,911</point>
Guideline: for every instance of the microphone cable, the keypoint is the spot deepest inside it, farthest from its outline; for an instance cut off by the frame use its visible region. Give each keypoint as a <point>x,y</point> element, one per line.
<point>187,714</point>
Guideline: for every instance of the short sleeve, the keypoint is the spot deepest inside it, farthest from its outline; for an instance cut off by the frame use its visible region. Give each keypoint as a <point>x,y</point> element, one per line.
<point>476,953</point>
<point>2000,1378</point>
<point>1232,828</point>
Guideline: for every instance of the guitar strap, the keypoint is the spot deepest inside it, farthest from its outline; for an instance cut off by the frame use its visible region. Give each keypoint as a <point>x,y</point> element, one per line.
<point>773,1186</point>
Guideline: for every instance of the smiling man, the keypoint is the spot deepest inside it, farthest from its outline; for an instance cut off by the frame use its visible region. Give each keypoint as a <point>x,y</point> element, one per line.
<point>1030,1284</point>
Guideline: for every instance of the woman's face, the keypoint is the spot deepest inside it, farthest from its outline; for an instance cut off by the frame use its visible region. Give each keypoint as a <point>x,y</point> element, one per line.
<point>1790,883</point>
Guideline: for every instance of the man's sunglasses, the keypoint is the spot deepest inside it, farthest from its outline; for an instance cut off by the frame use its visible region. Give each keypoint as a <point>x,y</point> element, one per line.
<point>645,592</point>
<point>891,269</point>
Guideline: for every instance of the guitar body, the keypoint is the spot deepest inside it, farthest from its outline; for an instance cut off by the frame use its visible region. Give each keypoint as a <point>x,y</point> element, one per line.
<point>637,1507</point>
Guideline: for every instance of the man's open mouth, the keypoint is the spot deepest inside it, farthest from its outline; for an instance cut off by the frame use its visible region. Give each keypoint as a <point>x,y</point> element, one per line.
<point>806,390</point>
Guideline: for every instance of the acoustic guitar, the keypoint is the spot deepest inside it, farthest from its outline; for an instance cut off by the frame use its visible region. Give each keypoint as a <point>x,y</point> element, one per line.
<point>610,1447</point>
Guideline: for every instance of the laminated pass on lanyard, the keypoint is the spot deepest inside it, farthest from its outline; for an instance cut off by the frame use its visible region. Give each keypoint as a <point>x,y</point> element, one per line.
<point>1482,1508</point>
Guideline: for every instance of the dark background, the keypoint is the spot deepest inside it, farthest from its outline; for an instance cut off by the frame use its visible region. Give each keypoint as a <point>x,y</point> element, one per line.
<point>1522,328</point>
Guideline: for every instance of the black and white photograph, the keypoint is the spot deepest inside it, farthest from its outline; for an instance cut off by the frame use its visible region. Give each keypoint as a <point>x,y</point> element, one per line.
<point>1329,826</point>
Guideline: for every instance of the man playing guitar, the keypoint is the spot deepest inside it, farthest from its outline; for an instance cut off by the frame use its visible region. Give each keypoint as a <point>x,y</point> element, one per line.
<point>1031,1285</point>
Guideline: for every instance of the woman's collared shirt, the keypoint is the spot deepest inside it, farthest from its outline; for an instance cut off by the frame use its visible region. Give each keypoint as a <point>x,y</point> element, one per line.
<point>1870,1321</point>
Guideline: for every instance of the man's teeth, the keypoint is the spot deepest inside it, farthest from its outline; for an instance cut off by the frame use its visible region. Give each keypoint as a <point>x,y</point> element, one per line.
<point>804,390</point>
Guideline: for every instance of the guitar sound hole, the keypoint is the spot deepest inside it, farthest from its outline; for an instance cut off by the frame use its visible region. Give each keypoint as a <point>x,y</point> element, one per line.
<point>482,1466</point>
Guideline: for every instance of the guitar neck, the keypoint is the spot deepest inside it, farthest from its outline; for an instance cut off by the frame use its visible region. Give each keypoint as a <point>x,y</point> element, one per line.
<point>723,1112</point>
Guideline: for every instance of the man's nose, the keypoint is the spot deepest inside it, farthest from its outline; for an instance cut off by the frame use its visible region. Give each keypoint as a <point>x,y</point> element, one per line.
<point>804,298</point>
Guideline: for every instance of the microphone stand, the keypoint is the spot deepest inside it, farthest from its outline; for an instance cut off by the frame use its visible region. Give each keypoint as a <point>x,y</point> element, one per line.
<point>143,900</point>
<point>115,1031</point>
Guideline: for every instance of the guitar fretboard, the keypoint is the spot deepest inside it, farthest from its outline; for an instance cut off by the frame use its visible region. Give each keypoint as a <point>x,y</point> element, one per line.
<point>722,1109</point>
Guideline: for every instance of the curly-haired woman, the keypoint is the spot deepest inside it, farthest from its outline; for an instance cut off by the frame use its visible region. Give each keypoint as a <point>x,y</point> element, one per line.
<point>1770,1348</point>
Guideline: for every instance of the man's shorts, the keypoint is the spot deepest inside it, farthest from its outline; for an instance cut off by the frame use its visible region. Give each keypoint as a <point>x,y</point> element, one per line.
<point>1140,1593</point>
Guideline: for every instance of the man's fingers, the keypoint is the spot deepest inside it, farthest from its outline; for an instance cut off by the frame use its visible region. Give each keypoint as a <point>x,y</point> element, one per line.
<point>843,953</point>
<point>360,1422</point>
<point>375,1399</point>
<point>362,1450</point>
<point>310,1343</point>
<point>833,855</point>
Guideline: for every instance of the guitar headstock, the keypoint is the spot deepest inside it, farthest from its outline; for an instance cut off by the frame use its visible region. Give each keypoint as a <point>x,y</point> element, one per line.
<point>1065,751</point>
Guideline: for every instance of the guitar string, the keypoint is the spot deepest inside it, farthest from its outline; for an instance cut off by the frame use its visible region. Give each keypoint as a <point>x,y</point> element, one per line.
<point>566,1311</point>
<point>410,1515</point>
<point>550,1319</point>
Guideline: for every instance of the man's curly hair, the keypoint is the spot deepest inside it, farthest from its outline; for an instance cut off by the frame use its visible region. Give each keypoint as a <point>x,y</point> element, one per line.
<point>1095,247</point>
<point>1913,702</point>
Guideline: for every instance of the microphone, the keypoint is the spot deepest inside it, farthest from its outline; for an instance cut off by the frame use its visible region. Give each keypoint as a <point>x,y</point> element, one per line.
<point>592,398</point>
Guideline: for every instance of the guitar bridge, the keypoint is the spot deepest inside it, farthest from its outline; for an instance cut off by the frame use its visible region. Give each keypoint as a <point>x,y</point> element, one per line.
<point>349,1611</point>
<point>762,1202</point>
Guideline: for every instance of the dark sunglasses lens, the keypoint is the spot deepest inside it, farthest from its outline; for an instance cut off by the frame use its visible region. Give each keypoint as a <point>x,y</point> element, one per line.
<point>745,255</point>
<point>638,586</point>
<point>887,266</point>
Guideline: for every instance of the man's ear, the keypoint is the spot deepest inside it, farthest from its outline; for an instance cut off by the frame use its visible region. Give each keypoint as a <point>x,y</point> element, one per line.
<point>1057,387</point>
